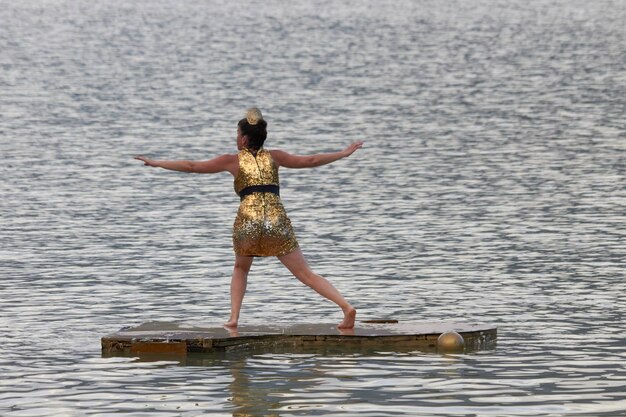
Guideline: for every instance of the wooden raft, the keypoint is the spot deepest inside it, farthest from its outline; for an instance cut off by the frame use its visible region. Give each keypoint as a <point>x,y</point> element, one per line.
<point>387,335</point>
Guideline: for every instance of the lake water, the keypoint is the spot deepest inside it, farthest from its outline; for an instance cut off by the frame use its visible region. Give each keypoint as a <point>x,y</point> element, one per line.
<point>491,188</point>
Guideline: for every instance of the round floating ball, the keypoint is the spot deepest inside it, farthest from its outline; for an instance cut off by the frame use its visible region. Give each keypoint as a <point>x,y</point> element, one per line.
<point>451,342</point>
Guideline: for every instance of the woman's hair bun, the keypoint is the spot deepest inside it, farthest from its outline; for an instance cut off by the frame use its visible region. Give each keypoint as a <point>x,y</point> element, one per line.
<point>254,116</point>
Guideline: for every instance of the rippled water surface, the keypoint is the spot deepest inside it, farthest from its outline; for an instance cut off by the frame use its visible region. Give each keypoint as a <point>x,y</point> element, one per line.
<point>491,188</point>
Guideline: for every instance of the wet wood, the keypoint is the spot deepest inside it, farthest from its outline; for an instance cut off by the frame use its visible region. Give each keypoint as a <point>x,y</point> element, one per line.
<point>179,339</point>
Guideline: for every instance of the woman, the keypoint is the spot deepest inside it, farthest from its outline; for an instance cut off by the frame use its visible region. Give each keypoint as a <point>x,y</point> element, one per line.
<point>262,227</point>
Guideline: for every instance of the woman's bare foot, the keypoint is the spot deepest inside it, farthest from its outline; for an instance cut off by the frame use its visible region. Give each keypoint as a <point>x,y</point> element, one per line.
<point>346,332</point>
<point>348,318</point>
<point>231,323</point>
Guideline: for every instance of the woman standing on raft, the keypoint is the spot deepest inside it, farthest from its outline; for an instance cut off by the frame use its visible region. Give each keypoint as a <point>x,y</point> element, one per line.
<point>262,227</point>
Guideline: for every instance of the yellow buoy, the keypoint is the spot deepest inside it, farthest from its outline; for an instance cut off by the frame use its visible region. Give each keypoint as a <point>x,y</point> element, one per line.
<point>450,342</point>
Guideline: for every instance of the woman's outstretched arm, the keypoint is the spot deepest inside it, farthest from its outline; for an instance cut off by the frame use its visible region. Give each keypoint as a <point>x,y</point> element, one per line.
<point>288,160</point>
<point>222,163</point>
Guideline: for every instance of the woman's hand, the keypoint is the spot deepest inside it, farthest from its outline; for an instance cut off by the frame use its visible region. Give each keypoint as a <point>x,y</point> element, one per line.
<point>146,161</point>
<point>353,147</point>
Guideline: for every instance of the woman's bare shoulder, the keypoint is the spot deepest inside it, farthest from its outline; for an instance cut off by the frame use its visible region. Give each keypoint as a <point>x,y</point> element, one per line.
<point>278,156</point>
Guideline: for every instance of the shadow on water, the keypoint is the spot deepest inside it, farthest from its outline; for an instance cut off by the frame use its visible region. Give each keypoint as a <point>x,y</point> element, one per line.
<point>259,384</point>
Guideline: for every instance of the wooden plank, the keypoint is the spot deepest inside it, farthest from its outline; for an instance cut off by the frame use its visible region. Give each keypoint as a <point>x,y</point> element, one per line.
<point>158,348</point>
<point>178,339</point>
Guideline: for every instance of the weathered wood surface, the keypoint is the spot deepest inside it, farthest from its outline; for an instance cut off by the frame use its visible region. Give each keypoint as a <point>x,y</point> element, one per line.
<point>178,339</point>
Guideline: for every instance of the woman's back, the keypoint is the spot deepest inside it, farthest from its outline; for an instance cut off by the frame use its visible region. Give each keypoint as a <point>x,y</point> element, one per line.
<point>262,227</point>
<point>255,170</point>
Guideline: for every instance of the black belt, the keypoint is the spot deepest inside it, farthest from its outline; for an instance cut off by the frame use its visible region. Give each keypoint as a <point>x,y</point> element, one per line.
<point>269,188</point>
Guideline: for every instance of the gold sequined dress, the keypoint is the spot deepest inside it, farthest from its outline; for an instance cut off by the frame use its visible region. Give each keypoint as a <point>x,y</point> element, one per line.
<point>262,227</point>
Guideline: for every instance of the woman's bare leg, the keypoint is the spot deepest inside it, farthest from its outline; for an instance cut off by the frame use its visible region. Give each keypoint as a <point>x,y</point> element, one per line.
<point>296,263</point>
<point>238,286</point>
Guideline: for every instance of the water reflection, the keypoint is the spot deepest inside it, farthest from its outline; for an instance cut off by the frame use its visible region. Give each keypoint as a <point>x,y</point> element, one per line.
<point>249,396</point>
<point>281,381</point>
